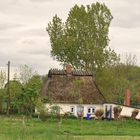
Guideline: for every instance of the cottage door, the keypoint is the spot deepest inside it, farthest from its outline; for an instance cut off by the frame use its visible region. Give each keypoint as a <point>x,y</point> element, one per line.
<point>80,110</point>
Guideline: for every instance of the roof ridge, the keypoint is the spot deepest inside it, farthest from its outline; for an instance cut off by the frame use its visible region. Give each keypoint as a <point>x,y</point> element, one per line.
<point>74,72</point>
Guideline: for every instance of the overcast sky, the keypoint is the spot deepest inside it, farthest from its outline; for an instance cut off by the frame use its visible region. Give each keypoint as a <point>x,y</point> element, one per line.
<point>23,39</point>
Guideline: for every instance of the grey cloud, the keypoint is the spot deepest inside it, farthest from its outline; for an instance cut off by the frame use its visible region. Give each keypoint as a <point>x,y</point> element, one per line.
<point>8,26</point>
<point>5,40</point>
<point>28,41</point>
<point>37,52</point>
<point>23,39</point>
<point>8,2</point>
<point>35,31</point>
<point>40,1</point>
<point>126,13</point>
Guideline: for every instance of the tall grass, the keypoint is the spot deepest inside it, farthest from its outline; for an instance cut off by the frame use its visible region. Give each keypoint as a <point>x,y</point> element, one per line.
<point>11,129</point>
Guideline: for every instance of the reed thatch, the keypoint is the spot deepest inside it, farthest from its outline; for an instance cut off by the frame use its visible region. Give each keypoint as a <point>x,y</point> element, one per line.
<point>76,87</point>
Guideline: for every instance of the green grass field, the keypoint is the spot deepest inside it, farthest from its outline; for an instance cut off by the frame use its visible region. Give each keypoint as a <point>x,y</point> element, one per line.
<point>11,129</point>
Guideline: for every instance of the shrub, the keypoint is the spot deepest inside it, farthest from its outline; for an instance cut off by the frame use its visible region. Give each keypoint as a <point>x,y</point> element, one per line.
<point>99,113</point>
<point>43,115</point>
<point>69,115</point>
<point>117,111</point>
<point>55,110</point>
<point>135,112</point>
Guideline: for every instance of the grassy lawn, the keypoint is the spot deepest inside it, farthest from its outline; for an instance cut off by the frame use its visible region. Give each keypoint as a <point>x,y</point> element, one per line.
<point>11,129</point>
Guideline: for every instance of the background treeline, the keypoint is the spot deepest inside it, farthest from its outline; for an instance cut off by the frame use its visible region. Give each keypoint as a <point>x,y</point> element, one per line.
<point>113,80</point>
<point>24,91</point>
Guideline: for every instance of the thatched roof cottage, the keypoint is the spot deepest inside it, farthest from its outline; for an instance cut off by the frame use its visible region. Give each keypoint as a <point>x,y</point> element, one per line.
<point>76,92</point>
<point>71,89</point>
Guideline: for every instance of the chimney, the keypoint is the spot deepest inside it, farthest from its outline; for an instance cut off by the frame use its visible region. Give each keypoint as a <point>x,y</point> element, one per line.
<point>127,97</point>
<point>68,69</point>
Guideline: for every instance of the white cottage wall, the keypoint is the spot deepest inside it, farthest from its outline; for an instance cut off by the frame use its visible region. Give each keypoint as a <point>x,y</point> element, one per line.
<point>126,110</point>
<point>67,108</point>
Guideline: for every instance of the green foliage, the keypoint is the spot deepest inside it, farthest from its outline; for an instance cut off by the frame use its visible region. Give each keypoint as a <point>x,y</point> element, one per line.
<point>35,82</point>
<point>43,115</point>
<point>54,110</point>
<point>114,80</point>
<point>83,39</point>
<point>2,79</point>
<point>78,83</point>
<point>69,115</point>
<point>24,92</point>
<point>15,89</point>
<point>24,98</point>
<point>2,99</point>
<point>2,90</point>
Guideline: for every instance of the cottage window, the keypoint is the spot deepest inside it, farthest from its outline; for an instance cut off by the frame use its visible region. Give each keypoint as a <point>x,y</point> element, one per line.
<point>88,110</point>
<point>72,109</point>
<point>91,110</point>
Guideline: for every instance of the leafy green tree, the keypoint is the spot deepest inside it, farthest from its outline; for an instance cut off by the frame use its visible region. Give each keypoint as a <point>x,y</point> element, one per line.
<point>83,39</point>
<point>30,96</point>
<point>2,99</point>
<point>114,80</point>
<point>15,90</point>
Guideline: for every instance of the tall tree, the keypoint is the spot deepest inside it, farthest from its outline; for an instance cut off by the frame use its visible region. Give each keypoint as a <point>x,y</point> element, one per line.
<point>83,39</point>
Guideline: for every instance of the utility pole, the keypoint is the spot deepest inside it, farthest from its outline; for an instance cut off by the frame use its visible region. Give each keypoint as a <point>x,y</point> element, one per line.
<point>8,89</point>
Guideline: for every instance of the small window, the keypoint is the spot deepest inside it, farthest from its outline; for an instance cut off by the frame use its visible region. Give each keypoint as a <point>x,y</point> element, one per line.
<point>72,109</point>
<point>91,110</point>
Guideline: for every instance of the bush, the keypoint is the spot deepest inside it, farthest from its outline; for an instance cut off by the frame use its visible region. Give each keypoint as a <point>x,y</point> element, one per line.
<point>43,115</point>
<point>135,112</point>
<point>117,111</point>
<point>99,113</point>
<point>55,110</point>
<point>35,115</point>
<point>69,115</point>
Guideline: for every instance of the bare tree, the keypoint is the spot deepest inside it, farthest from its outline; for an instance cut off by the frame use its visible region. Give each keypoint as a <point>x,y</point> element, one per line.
<point>129,59</point>
<point>26,73</point>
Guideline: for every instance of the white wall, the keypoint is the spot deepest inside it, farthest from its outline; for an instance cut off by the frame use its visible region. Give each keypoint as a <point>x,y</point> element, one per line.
<point>67,107</point>
<point>126,110</point>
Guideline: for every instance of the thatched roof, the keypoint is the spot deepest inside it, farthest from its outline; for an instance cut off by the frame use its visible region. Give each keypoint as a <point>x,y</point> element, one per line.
<point>73,73</point>
<point>74,87</point>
